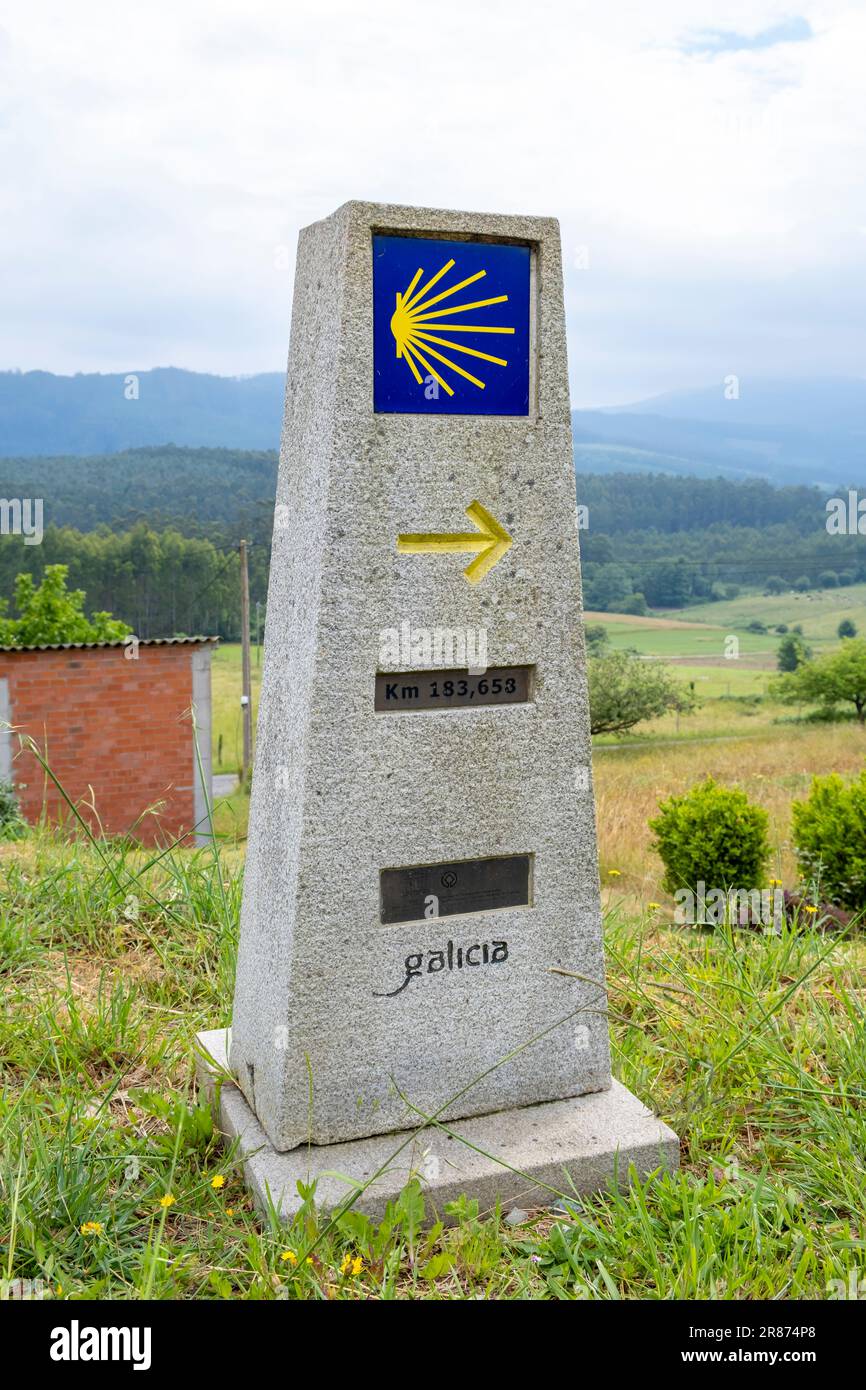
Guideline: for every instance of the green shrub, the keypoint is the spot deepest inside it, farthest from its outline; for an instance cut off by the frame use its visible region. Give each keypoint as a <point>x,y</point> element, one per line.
<point>12,823</point>
<point>792,652</point>
<point>829,833</point>
<point>711,835</point>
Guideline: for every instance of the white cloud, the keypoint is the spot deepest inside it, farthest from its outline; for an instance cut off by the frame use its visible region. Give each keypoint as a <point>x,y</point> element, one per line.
<point>155,157</point>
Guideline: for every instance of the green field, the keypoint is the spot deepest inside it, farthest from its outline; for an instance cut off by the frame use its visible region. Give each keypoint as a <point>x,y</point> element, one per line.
<point>698,634</point>
<point>819,612</point>
<point>113,1182</point>
<point>114,1185</point>
<point>653,638</point>
<point>226,705</point>
<point>692,639</point>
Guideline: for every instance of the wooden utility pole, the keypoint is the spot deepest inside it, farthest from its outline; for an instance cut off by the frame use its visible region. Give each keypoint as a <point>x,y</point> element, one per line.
<point>246,693</point>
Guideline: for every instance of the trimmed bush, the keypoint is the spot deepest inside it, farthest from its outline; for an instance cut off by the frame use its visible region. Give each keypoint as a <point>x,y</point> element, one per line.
<point>829,833</point>
<point>711,835</point>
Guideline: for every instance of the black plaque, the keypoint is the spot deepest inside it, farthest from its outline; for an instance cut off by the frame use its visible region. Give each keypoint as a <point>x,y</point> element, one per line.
<point>423,690</point>
<point>465,885</point>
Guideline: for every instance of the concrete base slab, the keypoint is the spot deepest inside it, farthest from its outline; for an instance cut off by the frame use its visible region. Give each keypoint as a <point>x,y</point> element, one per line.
<point>533,1156</point>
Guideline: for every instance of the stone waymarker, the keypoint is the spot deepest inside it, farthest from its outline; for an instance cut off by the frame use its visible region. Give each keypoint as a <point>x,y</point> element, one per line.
<point>421,930</point>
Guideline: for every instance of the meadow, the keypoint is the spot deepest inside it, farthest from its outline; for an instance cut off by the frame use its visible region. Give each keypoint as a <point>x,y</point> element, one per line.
<point>113,1183</point>
<point>697,633</point>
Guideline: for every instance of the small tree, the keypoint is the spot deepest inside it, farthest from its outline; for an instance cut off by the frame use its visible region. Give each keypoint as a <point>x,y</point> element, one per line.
<point>51,613</point>
<point>596,638</point>
<point>835,679</point>
<point>775,585</point>
<point>792,652</point>
<point>634,603</point>
<point>623,690</point>
<point>846,628</point>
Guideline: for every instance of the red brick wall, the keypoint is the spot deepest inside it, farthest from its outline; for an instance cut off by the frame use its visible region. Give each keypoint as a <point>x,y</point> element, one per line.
<point>118,725</point>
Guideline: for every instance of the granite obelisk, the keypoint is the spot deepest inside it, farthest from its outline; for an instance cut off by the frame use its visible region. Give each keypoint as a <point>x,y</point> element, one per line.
<point>421,927</point>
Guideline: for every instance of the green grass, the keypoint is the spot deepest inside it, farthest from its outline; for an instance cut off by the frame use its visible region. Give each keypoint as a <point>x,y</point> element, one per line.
<point>226,705</point>
<point>751,1047</point>
<point>726,681</point>
<point>706,645</point>
<point>820,611</point>
<point>668,634</point>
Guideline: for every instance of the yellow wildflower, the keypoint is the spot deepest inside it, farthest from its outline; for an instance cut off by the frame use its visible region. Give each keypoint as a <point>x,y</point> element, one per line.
<point>357,1265</point>
<point>218,1181</point>
<point>167,1200</point>
<point>614,873</point>
<point>230,1211</point>
<point>92,1228</point>
<point>290,1256</point>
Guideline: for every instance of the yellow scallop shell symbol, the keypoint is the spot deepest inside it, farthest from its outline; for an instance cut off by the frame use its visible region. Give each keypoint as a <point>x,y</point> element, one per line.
<point>415,325</point>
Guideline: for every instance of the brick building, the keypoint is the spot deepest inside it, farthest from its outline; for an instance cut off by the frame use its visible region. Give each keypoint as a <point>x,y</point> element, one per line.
<point>114,717</point>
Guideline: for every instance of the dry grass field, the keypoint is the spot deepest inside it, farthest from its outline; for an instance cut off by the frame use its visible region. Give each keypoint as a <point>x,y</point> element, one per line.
<point>773,766</point>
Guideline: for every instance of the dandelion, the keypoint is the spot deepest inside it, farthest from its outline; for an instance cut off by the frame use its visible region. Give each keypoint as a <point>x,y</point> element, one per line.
<point>654,907</point>
<point>92,1228</point>
<point>230,1211</point>
<point>357,1265</point>
<point>344,1267</point>
<point>168,1200</point>
<point>289,1256</point>
<point>217,1182</point>
<point>810,908</point>
<point>614,873</point>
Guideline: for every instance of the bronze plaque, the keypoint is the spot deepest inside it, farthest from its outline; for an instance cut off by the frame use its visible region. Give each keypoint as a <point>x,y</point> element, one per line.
<point>423,690</point>
<point>465,885</point>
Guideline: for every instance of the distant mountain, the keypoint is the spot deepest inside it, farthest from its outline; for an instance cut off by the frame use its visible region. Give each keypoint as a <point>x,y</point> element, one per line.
<point>803,404</point>
<point>43,414</point>
<point>808,432</point>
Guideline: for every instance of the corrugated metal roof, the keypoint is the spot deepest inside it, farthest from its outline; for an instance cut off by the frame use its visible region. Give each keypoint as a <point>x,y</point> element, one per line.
<point>119,642</point>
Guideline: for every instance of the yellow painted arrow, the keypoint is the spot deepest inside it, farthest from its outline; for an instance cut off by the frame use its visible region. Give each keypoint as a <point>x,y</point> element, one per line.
<point>489,543</point>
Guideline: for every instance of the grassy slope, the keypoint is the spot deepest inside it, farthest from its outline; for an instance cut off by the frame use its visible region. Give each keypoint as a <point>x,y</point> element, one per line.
<point>226,705</point>
<point>819,611</point>
<point>699,632</point>
<point>745,1047</point>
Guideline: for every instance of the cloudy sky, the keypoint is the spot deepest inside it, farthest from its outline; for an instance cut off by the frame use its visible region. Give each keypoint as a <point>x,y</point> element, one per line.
<point>705,158</point>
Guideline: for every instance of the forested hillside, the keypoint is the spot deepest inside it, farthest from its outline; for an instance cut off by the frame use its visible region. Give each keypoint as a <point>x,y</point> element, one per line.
<point>152,534</point>
<point>201,491</point>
